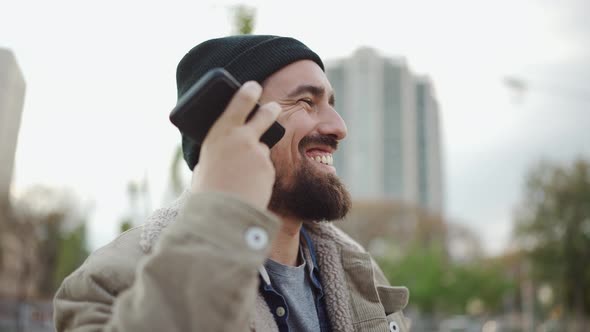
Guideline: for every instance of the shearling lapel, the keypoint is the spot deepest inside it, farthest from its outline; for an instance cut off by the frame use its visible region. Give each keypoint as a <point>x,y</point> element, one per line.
<point>337,298</point>
<point>159,220</point>
<point>263,320</point>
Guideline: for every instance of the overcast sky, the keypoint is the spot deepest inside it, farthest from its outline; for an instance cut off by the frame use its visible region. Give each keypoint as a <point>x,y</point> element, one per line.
<point>100,85</point>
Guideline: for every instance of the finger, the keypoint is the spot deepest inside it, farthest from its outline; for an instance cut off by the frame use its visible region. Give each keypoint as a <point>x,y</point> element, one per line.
<point>264,118</point>
<point>243,101</point>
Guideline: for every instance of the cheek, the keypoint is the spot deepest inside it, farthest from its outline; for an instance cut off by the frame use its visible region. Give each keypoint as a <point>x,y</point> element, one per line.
<point>282,158</point>
<point>277,153</point>
<point>285,153</point>
<point>297,125</point>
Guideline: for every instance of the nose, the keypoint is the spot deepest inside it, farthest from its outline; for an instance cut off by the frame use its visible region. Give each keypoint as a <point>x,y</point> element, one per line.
<point>331,123</point>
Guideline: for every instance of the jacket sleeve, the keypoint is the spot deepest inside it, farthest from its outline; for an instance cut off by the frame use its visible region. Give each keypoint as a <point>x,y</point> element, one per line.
<point>201,276</point>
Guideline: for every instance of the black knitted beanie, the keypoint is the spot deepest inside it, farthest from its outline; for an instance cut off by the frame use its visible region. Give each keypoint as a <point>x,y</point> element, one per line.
<point>246,57</point>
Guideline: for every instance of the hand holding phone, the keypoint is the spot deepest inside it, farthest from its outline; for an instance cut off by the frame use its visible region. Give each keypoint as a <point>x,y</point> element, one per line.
<point>232,160</point>
<point>199,108</point>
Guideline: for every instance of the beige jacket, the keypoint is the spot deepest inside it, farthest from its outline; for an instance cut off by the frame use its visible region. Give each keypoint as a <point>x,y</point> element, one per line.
<point>194,267</point>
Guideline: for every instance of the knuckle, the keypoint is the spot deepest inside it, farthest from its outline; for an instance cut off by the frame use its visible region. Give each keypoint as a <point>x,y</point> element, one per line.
<point>263,113</point>
<point>250,134</point>
<point>244,134</point>
<point>269,109</point>
<point>264,150</point>
<point>272,106</point>
<point>249,95</point>
<point>265,117</point>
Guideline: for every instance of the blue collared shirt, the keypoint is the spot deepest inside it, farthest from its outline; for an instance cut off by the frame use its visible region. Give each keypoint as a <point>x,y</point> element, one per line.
<point>275,300</point>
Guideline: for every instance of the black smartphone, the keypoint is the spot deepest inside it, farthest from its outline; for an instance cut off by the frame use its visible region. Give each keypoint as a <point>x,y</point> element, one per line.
<point>203,103</point>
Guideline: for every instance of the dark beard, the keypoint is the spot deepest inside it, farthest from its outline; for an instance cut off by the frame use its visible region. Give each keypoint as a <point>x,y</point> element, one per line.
<point>310,196</point>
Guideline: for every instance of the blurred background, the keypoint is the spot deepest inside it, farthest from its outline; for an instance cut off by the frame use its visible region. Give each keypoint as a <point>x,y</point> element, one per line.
<point>468,154</point>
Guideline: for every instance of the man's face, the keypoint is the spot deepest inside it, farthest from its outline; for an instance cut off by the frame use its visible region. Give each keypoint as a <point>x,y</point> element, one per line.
<point>306,185</point>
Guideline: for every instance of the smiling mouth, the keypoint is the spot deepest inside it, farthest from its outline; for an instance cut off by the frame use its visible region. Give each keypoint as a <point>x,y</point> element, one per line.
<point>324,158</point>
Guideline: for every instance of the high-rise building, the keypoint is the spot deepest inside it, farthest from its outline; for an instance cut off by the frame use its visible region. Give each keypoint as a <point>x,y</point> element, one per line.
<point>12,249</point>
<point>392,119</point>
<point>429,147</point>
<point>12,94</point>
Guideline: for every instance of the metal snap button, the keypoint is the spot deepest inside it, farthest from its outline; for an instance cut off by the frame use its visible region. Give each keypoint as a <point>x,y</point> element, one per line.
<point>256,237</point>
<point>280,311</point>
<point>393,327</point>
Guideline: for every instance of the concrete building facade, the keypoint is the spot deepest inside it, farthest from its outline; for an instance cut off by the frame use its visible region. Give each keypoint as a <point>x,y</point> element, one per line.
<point>12,250</point>
<point>430,179</point>
<point>12,96</point>
<point>393,144</point>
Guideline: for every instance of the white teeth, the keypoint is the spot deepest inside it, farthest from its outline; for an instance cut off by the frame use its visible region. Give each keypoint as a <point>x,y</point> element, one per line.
<point>325,159</point>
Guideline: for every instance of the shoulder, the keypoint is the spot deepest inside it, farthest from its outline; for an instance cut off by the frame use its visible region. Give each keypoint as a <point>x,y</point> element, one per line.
<point>86,295</point>
<point>123,249</point>
<point>111,267</point>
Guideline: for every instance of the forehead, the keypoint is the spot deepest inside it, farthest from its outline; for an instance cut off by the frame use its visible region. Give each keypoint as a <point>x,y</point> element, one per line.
<point>298,73</point>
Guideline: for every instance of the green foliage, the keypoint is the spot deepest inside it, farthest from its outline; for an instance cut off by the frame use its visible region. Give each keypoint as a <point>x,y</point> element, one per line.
<point>423,272</point>
<point>553,227</point>
<point>482,280</point>
<point>125,225</point>
<point>71,253</point>
<point>440,286</point>
<point>244,19</point>
<point>49,230</point>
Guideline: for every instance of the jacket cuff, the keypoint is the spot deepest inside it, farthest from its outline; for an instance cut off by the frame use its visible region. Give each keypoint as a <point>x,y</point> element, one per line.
<point>227,222</point>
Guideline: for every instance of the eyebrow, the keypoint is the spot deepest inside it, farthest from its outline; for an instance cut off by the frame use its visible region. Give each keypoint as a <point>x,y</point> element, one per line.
<point>316,91</point>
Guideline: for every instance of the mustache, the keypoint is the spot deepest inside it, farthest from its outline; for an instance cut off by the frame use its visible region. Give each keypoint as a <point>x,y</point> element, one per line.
<point>328,140</point>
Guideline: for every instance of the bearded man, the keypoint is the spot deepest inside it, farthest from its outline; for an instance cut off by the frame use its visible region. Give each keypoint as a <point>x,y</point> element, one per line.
<point>251,245</point>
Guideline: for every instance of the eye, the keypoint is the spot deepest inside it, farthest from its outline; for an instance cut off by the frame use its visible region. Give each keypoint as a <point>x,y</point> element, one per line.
<point>307,101</point>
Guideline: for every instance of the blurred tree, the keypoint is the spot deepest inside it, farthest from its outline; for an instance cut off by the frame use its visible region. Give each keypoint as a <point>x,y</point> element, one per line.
<point>125,225</point>
<point>463,243</point>
<point>376,222</point>
<point>49,228</point>
<point>71,252</point>
<point>423,271</point>
<point>139,205</point>
<point>5,219</point>
<point>439,285</point>
<point>244,19</point>
<point>552,225</point>
<point>440,262</point>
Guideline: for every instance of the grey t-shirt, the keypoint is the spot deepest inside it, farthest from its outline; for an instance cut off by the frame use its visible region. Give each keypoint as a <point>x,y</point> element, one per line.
<point>293,283</point>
